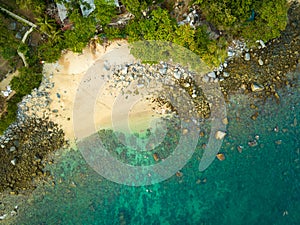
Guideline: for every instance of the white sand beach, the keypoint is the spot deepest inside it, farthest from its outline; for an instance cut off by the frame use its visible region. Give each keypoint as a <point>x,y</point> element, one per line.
<point>67,75</point>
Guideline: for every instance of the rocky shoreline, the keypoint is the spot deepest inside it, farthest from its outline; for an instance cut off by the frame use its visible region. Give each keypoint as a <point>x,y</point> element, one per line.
<point>26,144</point>
<point>260,72</point>
<point>243,73</point>
<point>165,84</point>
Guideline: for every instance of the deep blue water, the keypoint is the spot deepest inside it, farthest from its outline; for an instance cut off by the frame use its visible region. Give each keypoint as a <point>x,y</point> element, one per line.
<point>260,185</point>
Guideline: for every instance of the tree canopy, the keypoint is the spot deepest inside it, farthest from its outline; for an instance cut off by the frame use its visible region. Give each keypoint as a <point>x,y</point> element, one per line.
<point>250,19</point>
<point>160,26</point>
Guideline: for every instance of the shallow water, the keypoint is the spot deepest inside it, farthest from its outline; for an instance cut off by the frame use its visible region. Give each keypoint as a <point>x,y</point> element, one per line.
<point>259,185</point>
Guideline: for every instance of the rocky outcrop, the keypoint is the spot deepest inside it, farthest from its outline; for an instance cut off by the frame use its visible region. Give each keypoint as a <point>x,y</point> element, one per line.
<point>23,151</point>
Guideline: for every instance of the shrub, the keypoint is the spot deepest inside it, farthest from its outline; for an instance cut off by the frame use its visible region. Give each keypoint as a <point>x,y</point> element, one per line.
<point>11,113</point>
<point>50,52</point>
<point>114,33</point>
<point>28,79</point>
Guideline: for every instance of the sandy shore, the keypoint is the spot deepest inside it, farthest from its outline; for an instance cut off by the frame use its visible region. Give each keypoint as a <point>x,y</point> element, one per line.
<point>69,75</point>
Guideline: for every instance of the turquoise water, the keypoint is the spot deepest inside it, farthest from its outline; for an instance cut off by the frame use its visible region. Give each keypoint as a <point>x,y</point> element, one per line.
<point>259,185</point>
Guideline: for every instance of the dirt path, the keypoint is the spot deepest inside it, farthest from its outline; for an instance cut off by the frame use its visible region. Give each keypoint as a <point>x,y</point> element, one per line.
<point>4,83</point>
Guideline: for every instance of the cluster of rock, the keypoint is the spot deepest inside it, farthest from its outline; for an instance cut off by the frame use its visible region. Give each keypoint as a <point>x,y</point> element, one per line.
<point>23,150</point>
<point>192,18</point>
<point>217,75</point>
<point>38,101</point>
<point>236,48</point>
<point>26,143</point>
<point>164,82</point>
<point>247,55</point>
<point>270,66</point>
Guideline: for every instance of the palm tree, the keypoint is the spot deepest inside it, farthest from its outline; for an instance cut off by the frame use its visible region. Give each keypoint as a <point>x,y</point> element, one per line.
<point>49,27</point>
<point>24,4</point>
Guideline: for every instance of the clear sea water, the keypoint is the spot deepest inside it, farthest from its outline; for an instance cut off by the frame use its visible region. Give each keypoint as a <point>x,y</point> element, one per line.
<point>260,185</point>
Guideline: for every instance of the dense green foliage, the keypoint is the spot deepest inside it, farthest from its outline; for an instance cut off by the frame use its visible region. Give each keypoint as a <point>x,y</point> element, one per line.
<point>136,6</point>
<point>270,21</point>
<point>35,6</point>
<point>104,12</point>
<point>84,28</point>
<point>28,79</point>
<point>161,27</point>
<point>11,113</point>
<point>113,32</point>
<point>8,42</point>
<point>250,19</point>
<point>50,51</point>
<point>158,27</point>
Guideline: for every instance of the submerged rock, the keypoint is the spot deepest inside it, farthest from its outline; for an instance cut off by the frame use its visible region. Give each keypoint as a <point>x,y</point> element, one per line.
<point>2,217</point>
<point>156,157</point>
<point>12,148</point>
<point>14,161</point>
<point>225,121</point>
<point>252,143</point>
<point>220,135</point>
<point>220,156</point>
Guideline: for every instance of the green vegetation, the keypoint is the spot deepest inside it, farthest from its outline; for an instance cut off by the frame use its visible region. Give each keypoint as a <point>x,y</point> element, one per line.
<point>56,40</point>
<point>158,27</point>
<point>28,79</point>
<point>136,7</point>
<point>113,32</point>
<point>250,19</point>
<point>35,6</point>
<point>104,12</point>
<point>50,50</point>
<point>162,27</point>
<point>83,29</point>
<point>270,21</point>
<point>11,113</point>
<point>50,28</point>
<point>8,42</point>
